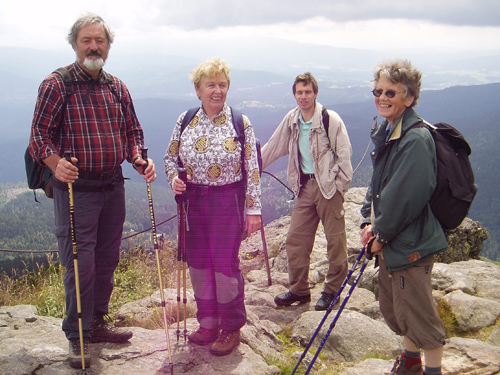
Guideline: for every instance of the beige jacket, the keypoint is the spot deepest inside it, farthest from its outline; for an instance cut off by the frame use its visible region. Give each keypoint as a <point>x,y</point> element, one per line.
<point>331,155</point>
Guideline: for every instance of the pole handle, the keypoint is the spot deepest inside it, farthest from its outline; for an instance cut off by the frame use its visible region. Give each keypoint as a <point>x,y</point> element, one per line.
<point>368,249</point>
<point>67,155</point>
<point>182,174</point>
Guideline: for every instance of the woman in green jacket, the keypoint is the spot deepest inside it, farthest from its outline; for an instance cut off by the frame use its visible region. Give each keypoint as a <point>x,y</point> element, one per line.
<point>397,215</point>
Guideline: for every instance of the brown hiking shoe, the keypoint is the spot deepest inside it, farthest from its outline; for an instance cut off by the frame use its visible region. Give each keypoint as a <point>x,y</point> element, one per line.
<point>225,344</point>
<point>102,331</point>
<point>400,368</point>
<point>75,354</point>
<point>203,336</point>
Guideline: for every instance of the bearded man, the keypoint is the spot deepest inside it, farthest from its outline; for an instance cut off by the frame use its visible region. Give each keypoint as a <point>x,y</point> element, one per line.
<point>91,114</point>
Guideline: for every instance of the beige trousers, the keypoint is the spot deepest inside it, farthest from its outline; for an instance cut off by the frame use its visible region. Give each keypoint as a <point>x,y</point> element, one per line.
<point>310,208</point>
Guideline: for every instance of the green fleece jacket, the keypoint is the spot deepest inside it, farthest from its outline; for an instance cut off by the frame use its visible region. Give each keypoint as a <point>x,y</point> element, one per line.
<point>397,201</point>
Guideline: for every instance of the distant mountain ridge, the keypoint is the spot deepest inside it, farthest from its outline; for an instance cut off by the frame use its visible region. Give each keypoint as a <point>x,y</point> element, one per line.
<point>162,91</point>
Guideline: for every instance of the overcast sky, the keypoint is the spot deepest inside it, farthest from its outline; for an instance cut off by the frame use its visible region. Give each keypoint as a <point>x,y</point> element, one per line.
<point>434,25</point>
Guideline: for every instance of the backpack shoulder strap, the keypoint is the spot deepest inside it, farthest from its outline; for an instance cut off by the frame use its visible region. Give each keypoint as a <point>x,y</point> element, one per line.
<point>68,81</point>
<point>326,120</point>
<point>238,124</point>
<point>65,74</point>
<point>109,81</point>
<point>187,118</point>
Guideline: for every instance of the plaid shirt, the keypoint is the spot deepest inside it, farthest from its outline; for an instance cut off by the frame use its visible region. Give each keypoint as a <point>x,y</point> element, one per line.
<point>99,125</point>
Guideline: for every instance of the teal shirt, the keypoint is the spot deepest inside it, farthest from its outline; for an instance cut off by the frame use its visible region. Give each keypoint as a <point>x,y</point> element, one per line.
<point>306,164</point>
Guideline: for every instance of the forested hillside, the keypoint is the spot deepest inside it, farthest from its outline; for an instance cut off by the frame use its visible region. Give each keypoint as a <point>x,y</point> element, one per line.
<point>28,225</point>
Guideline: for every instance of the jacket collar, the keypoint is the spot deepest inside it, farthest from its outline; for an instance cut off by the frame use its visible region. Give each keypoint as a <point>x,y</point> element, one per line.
<point>317,117</point>
<point>409,118</point>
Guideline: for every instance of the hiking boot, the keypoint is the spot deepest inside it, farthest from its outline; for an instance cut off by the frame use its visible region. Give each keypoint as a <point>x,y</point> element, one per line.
<point>102,331</point>
<point>400,368</point>
<point>203,336</point>
<point>75,355</point>
<point>225,344</point>
<point>286,299</point>
<point>326,300</point>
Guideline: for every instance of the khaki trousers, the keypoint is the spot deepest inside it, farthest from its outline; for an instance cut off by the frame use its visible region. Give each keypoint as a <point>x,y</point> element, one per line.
<point>310,208</point>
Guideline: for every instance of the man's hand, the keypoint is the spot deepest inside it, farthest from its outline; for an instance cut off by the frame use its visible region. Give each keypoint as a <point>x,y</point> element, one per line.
<point>63,170</point>
<point>146,168</point>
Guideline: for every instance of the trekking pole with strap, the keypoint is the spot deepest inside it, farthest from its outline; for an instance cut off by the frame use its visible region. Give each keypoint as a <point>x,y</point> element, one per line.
<point>368,256</point>
<point>266,255</point>
<point>329,310</point>
<point>67,156</point>
<point>144,152</point>
<point>181,253</point>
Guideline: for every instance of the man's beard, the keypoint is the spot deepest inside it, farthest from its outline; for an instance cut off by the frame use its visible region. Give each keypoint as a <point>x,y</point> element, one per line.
<point>93,64</point>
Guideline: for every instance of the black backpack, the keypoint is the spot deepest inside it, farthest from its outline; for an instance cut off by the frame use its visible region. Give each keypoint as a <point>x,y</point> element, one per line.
<point>240,131</point>
<point>455,189</point>
<point>39,176</point>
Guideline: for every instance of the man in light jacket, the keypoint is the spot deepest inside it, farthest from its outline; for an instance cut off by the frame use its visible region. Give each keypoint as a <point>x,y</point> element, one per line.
<point>319,171</point>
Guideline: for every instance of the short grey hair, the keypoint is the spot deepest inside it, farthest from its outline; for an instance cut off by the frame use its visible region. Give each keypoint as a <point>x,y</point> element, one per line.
<point>85,20</point>
<point>400,71</point>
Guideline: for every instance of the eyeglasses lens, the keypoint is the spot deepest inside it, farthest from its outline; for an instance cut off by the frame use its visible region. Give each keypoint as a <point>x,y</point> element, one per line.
<point>389,93</point>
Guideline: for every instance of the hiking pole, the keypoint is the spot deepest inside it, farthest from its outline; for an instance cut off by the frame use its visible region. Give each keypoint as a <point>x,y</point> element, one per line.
<point>266,255</point>
<point>181,246</point>
<point>181,253</point>
<point>67,156</point>
<point>329,310</point>
<point>144,152</point>
<point>368,257</point>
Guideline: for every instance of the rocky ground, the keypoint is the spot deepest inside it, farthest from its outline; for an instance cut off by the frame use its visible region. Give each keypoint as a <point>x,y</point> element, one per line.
<point>32,344</point>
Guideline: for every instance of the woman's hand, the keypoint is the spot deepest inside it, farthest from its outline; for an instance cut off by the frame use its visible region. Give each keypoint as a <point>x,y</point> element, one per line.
<point>252,223</point>
<point>179,186</point>
<point>367,235</point>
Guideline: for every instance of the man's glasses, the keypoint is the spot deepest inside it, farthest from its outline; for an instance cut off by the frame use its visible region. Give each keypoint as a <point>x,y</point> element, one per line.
<point>389,93</point>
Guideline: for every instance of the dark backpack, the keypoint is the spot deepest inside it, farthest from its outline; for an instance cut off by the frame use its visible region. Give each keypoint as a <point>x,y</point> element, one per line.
<point>240,131</point>
<point>455,189</point>
<point>39,176</point>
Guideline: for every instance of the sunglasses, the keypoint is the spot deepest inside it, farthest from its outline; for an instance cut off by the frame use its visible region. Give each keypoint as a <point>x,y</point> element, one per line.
<point>389,93</point>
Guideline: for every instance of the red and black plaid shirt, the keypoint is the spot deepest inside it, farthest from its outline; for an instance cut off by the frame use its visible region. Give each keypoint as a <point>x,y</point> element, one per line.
<point>99,126</point>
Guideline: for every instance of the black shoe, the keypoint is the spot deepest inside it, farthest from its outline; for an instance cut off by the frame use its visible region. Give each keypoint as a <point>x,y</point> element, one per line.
<point>75,354</point>
<point>102,331</point>
<point>286,299</point>
<point>325,301</point>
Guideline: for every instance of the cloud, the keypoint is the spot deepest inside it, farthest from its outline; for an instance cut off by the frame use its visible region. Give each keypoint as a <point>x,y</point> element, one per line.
<point>209,14</point>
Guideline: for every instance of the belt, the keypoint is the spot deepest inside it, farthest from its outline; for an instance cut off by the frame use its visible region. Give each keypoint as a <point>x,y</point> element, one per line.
<point>304,177</point>
<point>209,189</point>
<point>101,176</point>
<point>308,176</point>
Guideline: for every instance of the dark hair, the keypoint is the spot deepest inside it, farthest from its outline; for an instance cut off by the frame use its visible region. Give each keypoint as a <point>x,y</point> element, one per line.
<point>306,78</point>
<point>400,71</point>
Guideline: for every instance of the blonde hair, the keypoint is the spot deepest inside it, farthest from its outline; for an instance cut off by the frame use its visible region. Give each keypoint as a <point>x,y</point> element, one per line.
<point>210,68</point>
<point>400,71</point>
